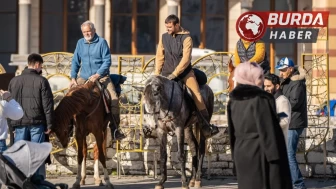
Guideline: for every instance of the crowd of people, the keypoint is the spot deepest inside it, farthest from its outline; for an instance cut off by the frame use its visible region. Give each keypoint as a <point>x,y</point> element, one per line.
<point>266,113</point>
<point>258,131</point>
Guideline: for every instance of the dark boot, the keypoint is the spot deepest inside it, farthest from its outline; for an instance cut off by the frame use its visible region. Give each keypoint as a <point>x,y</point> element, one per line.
<point>114,124</point>
<point>208,129</point>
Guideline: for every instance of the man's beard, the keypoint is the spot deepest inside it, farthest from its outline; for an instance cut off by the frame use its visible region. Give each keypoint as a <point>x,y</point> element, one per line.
<point>271,91</point>
<point>88,38</point>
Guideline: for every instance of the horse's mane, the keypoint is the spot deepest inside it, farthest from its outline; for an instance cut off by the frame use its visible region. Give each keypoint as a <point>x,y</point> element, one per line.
<point>74,102</point>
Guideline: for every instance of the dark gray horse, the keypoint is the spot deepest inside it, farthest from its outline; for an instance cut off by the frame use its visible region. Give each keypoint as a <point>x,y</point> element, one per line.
<point>170,110</point>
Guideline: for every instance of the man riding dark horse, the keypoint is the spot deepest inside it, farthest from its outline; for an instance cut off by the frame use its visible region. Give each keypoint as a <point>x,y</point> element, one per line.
<point>173,60</point>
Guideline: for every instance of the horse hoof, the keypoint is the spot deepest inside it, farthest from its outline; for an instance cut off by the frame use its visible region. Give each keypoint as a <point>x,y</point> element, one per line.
<point>192,183</point>
<point>159,187</point>
<point>99,183</point>
<point>75,186</point>
<point>109,186</point>
<point>198,184</point>
<point>82,182</point>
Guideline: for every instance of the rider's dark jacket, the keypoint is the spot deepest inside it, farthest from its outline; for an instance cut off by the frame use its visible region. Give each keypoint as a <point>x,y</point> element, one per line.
<point>170,51</point>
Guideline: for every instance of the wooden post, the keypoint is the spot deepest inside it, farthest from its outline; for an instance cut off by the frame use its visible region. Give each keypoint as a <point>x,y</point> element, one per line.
<point>272,53</point>
<point>202,24</point>
<point>134,27</point>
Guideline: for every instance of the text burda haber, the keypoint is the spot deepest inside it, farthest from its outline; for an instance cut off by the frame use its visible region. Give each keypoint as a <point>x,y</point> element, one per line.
<point>301,27</point>
<point>295,20</point>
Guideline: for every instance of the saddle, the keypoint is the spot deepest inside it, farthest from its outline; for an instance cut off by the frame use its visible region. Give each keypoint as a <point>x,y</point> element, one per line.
<point>117,80</point>
<point>201,77</point>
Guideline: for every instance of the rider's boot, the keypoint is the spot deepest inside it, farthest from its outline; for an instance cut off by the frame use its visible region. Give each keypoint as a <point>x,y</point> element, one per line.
<point>208,129</point>
<point>114,124</point>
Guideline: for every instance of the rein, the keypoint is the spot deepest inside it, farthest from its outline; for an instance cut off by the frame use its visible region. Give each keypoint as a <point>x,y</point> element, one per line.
<point>169,106</point>
<point>170,102</point>
<point>96,105</point>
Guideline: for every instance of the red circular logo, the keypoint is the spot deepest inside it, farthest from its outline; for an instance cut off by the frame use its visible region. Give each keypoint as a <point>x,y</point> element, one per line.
<point>250,26</point>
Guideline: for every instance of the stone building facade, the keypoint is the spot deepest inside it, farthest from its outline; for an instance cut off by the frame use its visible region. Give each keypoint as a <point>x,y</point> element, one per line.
<point>133,27</point>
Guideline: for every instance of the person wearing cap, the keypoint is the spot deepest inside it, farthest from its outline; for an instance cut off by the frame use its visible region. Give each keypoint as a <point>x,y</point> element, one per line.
<point>252,51</point>
<point>257,143</point>
<point>293,87</point>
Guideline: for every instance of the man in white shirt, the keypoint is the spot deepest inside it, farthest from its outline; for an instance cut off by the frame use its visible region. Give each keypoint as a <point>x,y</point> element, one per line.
<point>9,108</point>
<point>283,107</point>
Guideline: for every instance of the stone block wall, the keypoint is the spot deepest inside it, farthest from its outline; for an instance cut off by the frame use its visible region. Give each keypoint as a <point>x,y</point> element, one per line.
<point>311,158</point>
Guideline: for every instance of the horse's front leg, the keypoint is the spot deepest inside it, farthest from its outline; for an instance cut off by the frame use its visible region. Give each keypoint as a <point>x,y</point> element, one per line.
<point>192,142</point>
<point>83,171</point>
<point>201,153</point>
<point>163,158</point>
<point>101,145</point>
<point>181,156</point>
<point>80,142</point>
<point>96,175</point>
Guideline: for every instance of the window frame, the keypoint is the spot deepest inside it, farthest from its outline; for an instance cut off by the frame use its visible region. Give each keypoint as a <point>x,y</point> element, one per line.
<point>65,15</point>
<point>16,12</point>
<point>203,18</point>
<point>134,16</point>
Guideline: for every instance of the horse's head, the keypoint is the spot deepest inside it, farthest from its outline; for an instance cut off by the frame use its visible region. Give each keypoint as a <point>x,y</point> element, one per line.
<point>62,134</point>
<point>155,97</point>
<point>155,93</point>
<point>231,69</point>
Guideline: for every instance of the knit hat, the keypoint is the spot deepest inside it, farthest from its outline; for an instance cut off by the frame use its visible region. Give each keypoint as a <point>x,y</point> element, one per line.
<point>249,74</point>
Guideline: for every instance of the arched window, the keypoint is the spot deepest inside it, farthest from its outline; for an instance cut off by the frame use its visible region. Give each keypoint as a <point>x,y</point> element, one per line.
<point>60,24</point>
<point>207,22</point>
<point>134,26</point>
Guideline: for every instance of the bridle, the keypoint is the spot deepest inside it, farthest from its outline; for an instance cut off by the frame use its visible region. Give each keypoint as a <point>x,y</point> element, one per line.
<point>163,119</point>
<point>91,97</point>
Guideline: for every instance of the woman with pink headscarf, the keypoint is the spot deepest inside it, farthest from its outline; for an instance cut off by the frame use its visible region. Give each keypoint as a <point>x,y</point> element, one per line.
<point>257,143</point>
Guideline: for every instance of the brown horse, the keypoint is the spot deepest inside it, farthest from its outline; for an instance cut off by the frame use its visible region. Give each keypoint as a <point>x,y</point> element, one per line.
<point>85,105</point>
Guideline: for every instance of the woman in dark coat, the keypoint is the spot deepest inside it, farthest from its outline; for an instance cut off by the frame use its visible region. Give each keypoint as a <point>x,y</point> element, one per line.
<point>257,142</point>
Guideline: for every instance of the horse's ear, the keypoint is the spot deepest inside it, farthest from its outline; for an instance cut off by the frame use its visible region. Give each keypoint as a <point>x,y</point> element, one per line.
<point>231,66</point>
<point>140,89</point>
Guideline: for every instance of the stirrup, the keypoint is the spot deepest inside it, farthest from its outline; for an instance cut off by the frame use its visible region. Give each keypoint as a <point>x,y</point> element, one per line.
<point>120,135</point>
<point>214,130</point>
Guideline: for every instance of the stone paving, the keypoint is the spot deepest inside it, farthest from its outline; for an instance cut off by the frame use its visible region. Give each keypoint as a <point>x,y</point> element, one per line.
<point>139,182</point>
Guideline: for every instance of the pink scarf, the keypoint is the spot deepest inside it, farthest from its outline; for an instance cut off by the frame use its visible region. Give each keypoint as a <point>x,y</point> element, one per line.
<point>249,73</point>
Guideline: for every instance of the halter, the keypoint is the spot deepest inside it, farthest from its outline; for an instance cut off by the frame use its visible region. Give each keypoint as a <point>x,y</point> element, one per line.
<point>163,119</point>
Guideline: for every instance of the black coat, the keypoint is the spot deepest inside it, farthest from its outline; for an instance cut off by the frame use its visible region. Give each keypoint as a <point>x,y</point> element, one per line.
<point>257,143</point>
<point>34,94</point>
<point>294,88</point>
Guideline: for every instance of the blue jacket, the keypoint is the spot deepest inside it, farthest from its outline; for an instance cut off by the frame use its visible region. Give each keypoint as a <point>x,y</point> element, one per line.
<point>91,58</point>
